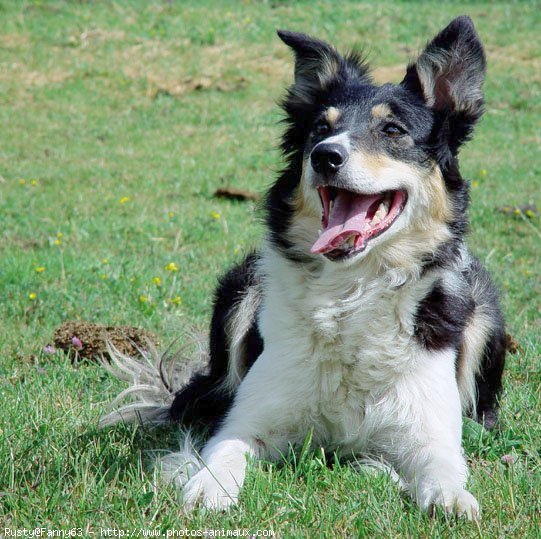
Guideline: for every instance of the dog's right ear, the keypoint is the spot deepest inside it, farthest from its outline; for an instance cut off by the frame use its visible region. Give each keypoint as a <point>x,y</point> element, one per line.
<point>316,62</point>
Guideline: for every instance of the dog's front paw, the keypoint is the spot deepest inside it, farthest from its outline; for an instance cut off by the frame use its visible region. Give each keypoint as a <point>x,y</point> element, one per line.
<point>464,503</point>
<point>459,503</point>
<point>212,489</point>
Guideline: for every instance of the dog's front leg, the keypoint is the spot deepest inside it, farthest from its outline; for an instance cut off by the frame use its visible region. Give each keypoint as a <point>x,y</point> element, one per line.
<point>421,422</point>
<point>249,430</point>
<point>218,483</point>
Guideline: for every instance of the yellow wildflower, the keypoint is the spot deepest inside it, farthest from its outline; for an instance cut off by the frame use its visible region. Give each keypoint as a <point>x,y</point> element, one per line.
<point>33,182</point>
<point>171,267</point>
<point>103,276</point>
<point>143,298</point>
<point>32,296</point>
<point>483,172</point>
<point>516,211</point>
<point>123,200</point>
<point>59,235</point>
<point>475,184</point>
<point>170,214</point>
<point>530,213</point>
<point>157,281</point>
<point>57,241</point>
<point>215,215</point>
<point>105,261</point>
<point>39,269</point>
<point>177,300</point>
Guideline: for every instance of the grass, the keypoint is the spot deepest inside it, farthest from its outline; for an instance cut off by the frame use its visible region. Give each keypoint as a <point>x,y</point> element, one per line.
<point>119,120</point>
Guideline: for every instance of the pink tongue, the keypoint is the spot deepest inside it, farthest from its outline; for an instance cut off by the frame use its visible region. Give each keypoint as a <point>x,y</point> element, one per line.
<point>348,216</point>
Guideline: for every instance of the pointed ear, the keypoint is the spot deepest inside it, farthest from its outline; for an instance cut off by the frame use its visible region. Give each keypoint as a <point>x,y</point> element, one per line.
<point>450,72</point>
<point>316,62</point>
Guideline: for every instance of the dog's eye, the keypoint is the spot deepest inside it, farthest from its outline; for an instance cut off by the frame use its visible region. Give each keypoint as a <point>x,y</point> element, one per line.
<point>393,130</point>
<point>321,128</point>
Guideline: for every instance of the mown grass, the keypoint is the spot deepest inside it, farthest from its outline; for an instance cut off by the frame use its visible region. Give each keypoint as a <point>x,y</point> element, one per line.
<point>119,120</point>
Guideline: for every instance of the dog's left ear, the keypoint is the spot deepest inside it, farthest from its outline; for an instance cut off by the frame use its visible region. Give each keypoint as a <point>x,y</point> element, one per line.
<point>450,72</point>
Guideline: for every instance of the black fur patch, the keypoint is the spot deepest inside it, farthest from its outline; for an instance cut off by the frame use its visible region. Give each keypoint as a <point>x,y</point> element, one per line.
<point>441,318</point>
<point>231,289</point>
<point>203,402</point>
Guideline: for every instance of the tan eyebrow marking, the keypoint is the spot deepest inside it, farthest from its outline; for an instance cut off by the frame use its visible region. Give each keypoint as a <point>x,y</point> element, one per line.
<point>381,111</point>
<point>331,115</point>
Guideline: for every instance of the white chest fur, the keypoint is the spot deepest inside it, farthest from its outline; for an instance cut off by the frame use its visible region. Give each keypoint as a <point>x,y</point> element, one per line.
<point>343,339</point>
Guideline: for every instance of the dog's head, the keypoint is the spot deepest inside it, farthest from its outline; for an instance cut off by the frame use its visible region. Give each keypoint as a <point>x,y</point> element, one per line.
<point>375,166</point>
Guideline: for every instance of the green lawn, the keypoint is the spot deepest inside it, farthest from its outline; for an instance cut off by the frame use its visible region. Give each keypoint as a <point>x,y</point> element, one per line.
<point>118,121</point>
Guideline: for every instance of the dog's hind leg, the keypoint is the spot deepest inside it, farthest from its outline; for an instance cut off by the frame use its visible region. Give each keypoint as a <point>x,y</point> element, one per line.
<point>481,357</point>
<point>489,378</point>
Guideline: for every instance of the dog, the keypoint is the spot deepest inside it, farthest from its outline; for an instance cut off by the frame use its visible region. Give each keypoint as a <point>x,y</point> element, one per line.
<point>363,319</point>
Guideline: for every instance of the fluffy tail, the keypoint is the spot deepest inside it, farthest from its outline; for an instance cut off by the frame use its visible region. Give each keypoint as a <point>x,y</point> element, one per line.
<point>154,378</point>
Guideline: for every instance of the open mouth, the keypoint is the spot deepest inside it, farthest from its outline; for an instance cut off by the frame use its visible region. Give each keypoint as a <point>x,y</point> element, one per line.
<point>351,219</point>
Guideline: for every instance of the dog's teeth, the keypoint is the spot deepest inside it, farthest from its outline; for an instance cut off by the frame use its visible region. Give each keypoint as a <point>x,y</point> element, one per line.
<point>348,242</point>
<point>331,204</point>
<point>380,214</point>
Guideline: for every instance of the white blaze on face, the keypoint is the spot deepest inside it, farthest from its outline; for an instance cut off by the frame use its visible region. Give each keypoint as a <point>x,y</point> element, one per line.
<point>309,194</point>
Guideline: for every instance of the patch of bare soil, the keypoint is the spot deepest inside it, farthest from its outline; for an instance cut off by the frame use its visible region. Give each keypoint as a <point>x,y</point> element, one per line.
<point>21,243</point>
<point>233,193</point>
<point>14,41</point>
<point>89,340</point>
<point>384,74</point>
<point>97,35</point>
<point>194,84</point>
<point>511,344</point>
<point>30,77</point>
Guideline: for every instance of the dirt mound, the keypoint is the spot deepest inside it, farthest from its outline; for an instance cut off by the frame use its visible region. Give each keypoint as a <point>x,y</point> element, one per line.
<point>89,340</point>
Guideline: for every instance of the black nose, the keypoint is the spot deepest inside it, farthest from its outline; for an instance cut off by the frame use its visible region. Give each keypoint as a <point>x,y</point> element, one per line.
<point>328,158</point>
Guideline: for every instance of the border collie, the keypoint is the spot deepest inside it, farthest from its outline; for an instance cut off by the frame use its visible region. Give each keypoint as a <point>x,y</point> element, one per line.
<point>363,319</point>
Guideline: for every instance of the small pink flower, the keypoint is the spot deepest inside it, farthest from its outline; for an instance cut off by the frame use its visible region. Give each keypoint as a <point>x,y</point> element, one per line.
<point>76,343</point>
<point>49,349</point>
<point>509,459</point>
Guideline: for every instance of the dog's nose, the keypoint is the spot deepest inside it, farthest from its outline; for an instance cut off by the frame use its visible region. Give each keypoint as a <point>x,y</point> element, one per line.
<point>328,158</point>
